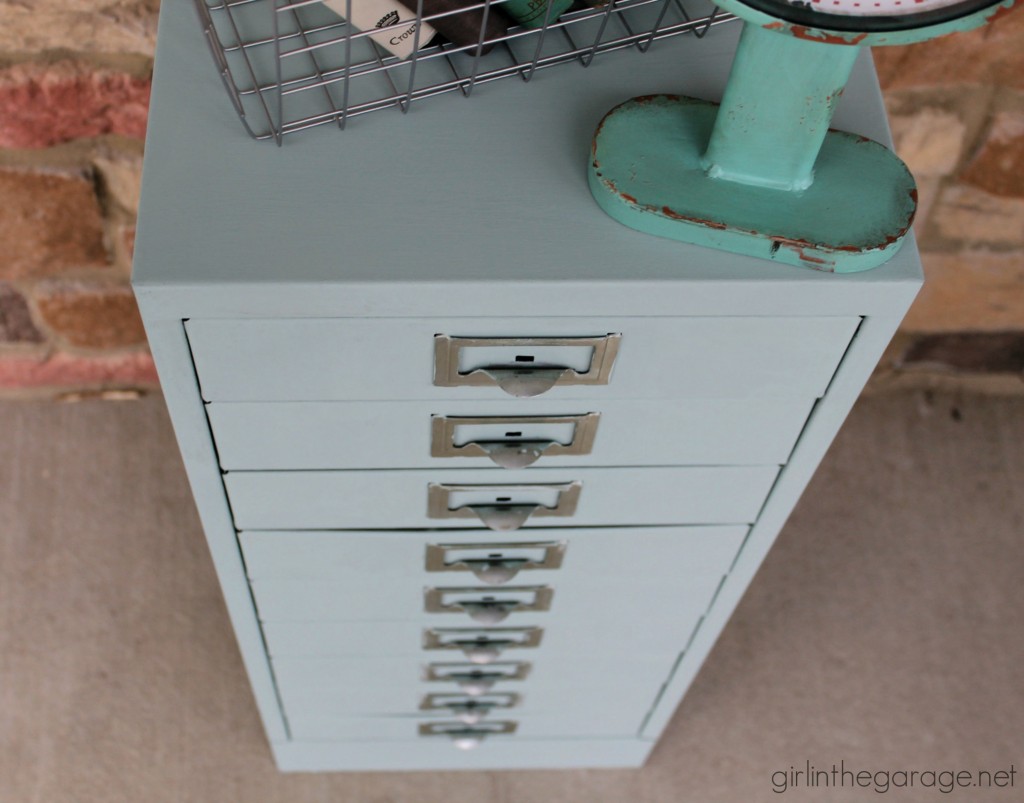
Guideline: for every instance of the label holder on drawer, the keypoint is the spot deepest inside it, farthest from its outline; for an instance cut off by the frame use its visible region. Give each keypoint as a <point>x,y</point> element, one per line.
<point>519,450</point>
<point>523,376</point>
<point>474,680</point>
<point>482,645</point>
<point>467,709</point>
<point>467,737</point>
<point>504,513</point>
<point>486,606</point>
<point>496,563</point>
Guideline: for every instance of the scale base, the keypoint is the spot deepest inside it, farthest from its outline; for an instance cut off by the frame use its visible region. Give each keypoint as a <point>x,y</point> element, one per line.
<point>646,172</point>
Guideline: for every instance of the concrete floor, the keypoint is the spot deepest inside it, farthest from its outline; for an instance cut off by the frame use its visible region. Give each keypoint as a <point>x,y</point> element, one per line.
<point>885,630</point>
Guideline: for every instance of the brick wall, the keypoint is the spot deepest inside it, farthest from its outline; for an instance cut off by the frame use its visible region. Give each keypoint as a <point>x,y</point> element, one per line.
<point>956,106</point>
<point>74,86</point>
<point>74,93</point>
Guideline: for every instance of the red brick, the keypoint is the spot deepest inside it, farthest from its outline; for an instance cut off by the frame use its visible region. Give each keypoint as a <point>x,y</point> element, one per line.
<point>992,54</point>
<point>91,315</point>
<point>998,167</point>
<point>47,104</point>
<point>50,223</point>
<point>16,326</point>
<point>61,370</point>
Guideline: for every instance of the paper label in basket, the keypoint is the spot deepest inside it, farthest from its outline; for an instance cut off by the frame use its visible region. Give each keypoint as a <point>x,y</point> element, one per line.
<point>399,24</point>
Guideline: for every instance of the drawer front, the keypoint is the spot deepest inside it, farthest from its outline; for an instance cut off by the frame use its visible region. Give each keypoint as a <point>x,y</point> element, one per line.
<point>474,498</point>
<point>295,601</point>
<point>386,359</point>
<point>310,684</point>
<point>365,561</point>
<point>406,434</point>
<point>559,637</point>
<point>323,688</point>
<point>663,576</point>
<point>598,721</point>
<point>365,658</point>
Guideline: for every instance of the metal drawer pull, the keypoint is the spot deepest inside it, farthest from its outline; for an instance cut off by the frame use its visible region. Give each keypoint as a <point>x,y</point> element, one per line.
<point>482,653</point>
<point>482,646</point>
<point>467,709</point>
<point>466,737</point>
<point>508,440</point>
<point>469,713</point>
<point>487,608</point>
<point>474,681</point>
<point>519,372</point>
<point>494,564</point>
<point>488,613</point>
<point>496,572</point>
<point>504,514</point>
<point>505,519</point>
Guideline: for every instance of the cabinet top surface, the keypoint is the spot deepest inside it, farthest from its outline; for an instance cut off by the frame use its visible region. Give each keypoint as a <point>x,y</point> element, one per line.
<point>489,189</point>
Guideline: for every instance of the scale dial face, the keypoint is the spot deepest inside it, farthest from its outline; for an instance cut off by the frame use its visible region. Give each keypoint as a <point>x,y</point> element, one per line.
<point>870,16</point>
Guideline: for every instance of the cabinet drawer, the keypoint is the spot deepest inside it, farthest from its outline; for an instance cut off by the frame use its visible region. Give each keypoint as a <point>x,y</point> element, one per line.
<point>324,601</point>
<point>309,678</point>
<point>403,434</point>
<point>562,639</point>
<point>351,687</point>
<point>602,720</point>
<point>319,500</point>
<point>664,576</point>
<point>385,359</point>
<point>364,561</point>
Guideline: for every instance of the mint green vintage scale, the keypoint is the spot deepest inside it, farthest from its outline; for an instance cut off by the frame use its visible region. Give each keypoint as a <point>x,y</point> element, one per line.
<point>762,174</point>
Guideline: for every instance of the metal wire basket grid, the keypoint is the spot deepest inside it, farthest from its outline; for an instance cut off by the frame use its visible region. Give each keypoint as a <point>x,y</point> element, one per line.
<point>290,65</point>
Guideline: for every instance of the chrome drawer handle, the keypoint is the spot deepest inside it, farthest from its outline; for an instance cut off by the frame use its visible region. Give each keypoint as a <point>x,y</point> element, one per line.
<point>505,513</point>
<point>466,737</point>
<point>475,686</point>
<point>516,455</point>
<point>474,681</point>
<point>484,608</point>
<point>466,708</point>
<point>495,572</point>
<point>504,518</point>
<point>524,383</point>
<point>489,613</point>
<point>518,449</point>
<point>482,646</point>
<point>514,377</point>
<point>499,563</point>
<point>469,713</point>
<point>483,653</point>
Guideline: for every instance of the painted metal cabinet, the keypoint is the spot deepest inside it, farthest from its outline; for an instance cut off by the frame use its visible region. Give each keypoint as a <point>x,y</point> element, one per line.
<point>478,467</point>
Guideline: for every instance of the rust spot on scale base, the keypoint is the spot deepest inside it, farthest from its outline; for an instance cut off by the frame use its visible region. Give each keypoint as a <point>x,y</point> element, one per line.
<point>798,247</point>
<point>815,34</point>
<point>711,224</point>
<point>1002,11</point>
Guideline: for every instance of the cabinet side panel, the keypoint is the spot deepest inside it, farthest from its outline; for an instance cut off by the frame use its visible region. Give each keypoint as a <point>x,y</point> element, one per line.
<point>177,376</point>
<point>861,358</point>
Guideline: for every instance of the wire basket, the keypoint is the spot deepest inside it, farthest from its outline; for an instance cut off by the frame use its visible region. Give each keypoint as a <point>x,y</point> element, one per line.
<point>290,65</point>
